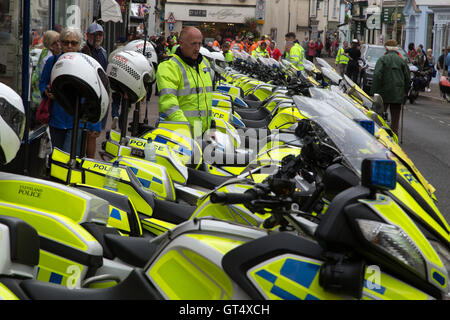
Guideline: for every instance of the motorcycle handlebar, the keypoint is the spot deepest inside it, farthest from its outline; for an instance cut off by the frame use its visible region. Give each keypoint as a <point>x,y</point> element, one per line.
<point>232,198</point>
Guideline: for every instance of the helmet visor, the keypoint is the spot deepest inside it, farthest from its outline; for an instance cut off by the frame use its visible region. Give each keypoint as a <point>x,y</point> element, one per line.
<point>13,117</point>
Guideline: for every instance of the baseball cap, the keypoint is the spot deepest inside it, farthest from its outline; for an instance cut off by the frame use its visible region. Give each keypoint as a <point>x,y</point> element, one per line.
<point>94,27</point>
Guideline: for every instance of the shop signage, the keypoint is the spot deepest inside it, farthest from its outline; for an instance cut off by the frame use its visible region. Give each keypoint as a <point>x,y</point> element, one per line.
<point>260,11</point>
<point>197,13</point>
<point>206,13</point>
<point>442,18</point>
<point>373,21</point>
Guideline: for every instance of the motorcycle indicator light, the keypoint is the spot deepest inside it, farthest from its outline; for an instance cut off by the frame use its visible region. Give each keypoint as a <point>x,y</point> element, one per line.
<point>379,173</point>
<point>395,242</point>
<point>369,125</point>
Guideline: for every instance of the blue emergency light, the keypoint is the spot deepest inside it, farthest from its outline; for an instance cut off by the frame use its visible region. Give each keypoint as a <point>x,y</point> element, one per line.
<point>379,173</point>
<point>368,124</point>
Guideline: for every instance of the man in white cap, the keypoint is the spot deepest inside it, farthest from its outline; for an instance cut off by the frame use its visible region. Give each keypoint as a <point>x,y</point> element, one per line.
<point>93,46</point>
<point>94,49</point>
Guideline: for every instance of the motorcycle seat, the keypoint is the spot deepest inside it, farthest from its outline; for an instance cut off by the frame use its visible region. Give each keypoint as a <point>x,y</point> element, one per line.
<point>172,212</point>
<point>205,179</point>
<point>253,103</point>
<point>135,251</point>
<point>256,123</point>
<point>134,287</point>
<point>252,114</point>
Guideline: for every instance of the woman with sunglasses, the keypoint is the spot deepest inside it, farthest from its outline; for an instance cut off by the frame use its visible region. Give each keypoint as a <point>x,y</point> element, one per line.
<point>60,121</point>
<point>51,48</point>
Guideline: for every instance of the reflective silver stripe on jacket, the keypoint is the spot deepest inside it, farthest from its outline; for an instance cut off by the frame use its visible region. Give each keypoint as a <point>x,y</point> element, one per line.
<point>171,110</point>
<point>183,72</point>
<point>196,113</point>
<point>187,86</point>
<point>184,92</point>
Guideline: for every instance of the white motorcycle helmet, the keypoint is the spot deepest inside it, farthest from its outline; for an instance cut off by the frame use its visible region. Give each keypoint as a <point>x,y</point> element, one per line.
<point>75,75</point>
<point>129,72</point>
<point>12,123</point>
<point>150,54</point>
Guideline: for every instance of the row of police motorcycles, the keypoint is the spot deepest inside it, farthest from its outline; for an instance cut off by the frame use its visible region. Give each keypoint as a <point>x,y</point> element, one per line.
<point>301,191</point>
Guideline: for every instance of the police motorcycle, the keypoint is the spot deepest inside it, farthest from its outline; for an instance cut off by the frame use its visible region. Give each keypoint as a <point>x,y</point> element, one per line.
<point>382,130</point>
<point>65,217</point>
<point>419,81</point>
<point>127,278</point>
<point>365,247</point>
<point>444,87</point>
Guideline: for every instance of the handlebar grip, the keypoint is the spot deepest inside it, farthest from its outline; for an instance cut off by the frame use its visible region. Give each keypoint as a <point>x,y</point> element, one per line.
<point>231,198</point>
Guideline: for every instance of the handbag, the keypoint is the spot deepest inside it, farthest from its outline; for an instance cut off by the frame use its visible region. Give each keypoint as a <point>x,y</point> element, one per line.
<point>43,111</point>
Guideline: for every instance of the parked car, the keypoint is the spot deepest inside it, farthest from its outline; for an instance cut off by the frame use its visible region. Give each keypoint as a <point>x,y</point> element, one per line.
<point>370,54</point>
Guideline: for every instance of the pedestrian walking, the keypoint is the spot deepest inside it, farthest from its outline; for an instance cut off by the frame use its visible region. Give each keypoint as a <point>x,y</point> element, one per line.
<point>354,53</point>
<point>412,53</point>
<point>311,50</point>
<point>441,63</point>
<point>431,63</point>
<point>328,46</point>
<point>391,80</point>
<point>319,47</point>
<point>342,59</point>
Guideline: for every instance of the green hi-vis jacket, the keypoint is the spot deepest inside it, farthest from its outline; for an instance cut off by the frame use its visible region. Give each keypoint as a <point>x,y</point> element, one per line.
<point>185,94</point>
<point>296,56</point>
<point>341,58</point>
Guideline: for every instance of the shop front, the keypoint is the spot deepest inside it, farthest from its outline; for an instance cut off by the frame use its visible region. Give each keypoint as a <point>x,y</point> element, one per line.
<point>441,29</point>
<point>19,52</point>
<point>212,20</point>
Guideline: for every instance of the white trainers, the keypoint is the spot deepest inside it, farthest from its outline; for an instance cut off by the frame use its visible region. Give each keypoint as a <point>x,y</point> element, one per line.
<point>427,89</point>
<point>114,123</point>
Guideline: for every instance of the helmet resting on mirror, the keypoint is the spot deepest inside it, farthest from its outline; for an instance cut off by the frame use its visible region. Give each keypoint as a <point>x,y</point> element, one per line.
<point>12,123</point>
<point>76,75</point>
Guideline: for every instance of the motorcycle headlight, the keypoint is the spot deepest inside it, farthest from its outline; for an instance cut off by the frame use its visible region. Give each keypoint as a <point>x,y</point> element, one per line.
<point>395,242</point>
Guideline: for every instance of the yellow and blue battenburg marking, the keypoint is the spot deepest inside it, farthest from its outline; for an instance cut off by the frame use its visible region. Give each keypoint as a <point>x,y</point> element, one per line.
<point>292,281</point>
<point>145,182</point>
<point>53,277</point>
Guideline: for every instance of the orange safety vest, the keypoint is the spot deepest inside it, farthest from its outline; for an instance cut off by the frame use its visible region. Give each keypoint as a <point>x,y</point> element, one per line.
<point>254,46</point>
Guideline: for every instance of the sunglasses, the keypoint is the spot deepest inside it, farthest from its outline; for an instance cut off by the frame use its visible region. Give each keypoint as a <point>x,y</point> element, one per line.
<point>73,43</point>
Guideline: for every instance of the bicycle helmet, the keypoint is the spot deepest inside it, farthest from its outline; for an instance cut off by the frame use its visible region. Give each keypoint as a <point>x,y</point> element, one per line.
<point>128,73</point>
<point>77,75</point>
<point>12,123</point>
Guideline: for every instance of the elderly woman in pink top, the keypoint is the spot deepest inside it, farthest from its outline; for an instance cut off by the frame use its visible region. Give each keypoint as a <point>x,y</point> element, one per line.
<point>312,50</point>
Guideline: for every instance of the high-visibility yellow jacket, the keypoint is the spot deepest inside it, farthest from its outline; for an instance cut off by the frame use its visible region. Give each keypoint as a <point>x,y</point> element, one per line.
<point>341,58</point>
<point>260,52</point>
<point>228,56</point>
<point>296,55</point>
<point>185,93</point>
